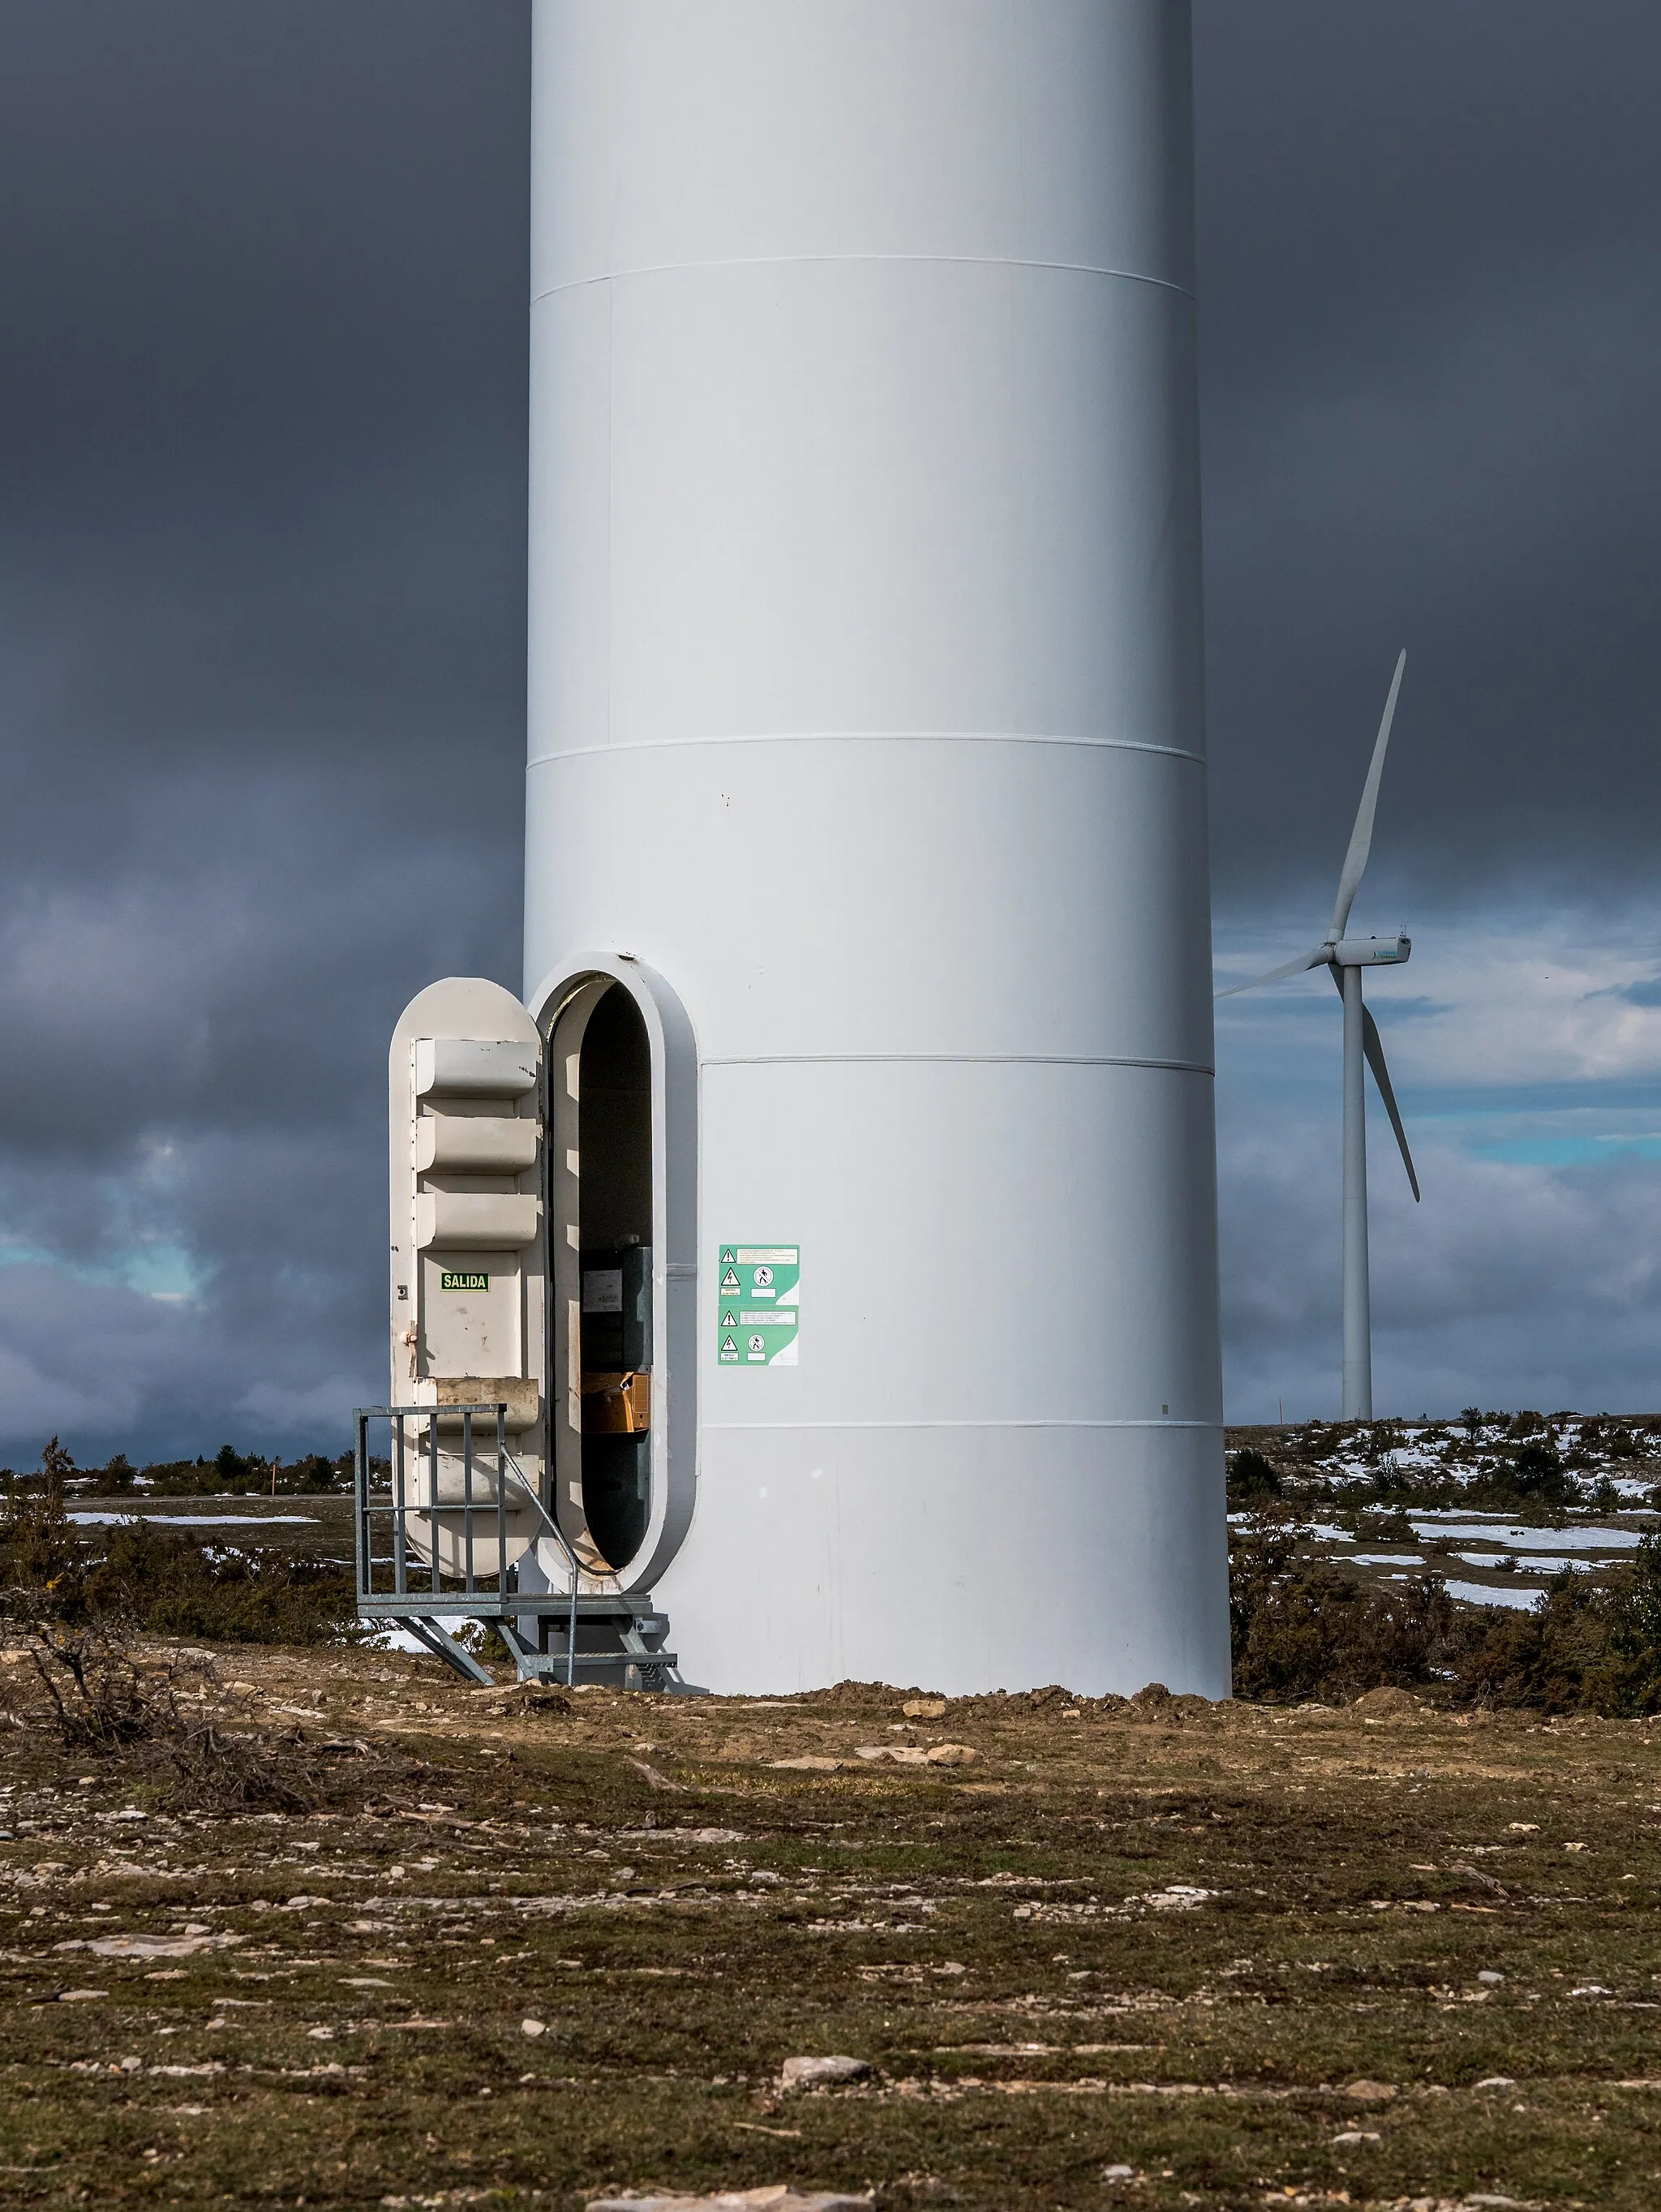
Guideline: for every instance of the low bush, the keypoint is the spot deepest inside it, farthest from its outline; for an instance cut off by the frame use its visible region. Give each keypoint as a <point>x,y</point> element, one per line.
<point>1251,1479</point>
<point>94,1686</point>
<point>1305,1628</point>
<point>165,1580</point>
<point>1588,1647</point>
<point>1533,1476</point>
<point>174,1585</point>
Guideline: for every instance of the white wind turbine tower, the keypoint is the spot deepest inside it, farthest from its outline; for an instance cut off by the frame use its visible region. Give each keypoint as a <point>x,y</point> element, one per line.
<point>1346,957</point>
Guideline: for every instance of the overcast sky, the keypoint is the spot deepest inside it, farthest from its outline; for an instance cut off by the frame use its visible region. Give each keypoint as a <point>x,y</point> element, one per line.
<point>262,452</point>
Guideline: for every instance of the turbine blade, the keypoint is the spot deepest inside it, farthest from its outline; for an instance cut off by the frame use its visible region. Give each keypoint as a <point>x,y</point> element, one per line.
<point>1298,966</point>
<point>1361,837</point>
<point>1374,1048</point>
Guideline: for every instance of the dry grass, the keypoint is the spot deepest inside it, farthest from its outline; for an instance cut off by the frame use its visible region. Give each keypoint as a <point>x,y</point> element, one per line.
<point>1167,1938</point>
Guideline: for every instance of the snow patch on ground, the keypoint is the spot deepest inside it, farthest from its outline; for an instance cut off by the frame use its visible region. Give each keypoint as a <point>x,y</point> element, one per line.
<point>1522,1600</point>
<point>1511,1538</point>
<point>197,1520</point>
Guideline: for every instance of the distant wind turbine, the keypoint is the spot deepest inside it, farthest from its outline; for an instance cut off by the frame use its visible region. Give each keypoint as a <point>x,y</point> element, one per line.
<point>1346,957</point>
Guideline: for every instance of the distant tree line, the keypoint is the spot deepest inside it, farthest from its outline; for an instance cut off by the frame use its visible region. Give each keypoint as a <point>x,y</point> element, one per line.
<point>228,1474</point>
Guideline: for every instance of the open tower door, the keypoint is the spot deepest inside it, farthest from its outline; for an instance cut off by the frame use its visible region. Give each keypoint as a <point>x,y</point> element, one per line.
<point>600,1199</point>
<point>468,1298</point>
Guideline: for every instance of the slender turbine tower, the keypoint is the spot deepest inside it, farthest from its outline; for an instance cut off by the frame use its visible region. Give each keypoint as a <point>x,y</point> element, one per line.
<point>1345,958</point>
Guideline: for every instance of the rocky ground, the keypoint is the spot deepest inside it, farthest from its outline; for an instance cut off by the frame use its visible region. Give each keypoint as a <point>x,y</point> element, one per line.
<point>513,1946</point>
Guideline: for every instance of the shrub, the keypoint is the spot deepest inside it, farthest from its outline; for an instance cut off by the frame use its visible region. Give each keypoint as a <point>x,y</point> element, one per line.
<point>1251,1478</point>
<point>164,1579</point>
<point>95,1690</point>
<point>1305,1628</point>
<point>1308,1628</point>
<point>1387,1527</point>
<point>40,1549</point>
<point>1532,1476</point>
<point>170,1583</point>
<point>100,1695</point>
<point>1587,1648</point>
<point>1396,1486</point>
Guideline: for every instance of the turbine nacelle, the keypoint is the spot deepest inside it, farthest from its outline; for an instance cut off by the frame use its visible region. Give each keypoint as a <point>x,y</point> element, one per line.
<point>1370,951</point>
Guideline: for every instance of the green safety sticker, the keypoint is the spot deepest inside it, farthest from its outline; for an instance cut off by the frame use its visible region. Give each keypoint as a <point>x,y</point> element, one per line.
<point>452,1279</point>
<point>758,1314</point>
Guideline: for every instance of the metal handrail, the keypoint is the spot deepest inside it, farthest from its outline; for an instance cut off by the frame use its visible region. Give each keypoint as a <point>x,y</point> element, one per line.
<point>400,1508</point>
<point>559,1536</point>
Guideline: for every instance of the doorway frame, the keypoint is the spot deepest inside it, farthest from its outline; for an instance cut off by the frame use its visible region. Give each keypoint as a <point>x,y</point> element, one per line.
<point>673,1457</point>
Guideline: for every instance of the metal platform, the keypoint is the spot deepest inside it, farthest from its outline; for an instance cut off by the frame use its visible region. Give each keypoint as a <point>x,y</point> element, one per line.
<point>570,1636</point>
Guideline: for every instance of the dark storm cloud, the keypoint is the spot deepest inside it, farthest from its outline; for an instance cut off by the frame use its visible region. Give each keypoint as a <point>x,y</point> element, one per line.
<point>1431,309</point>
<point>263,341</point>
<point>261,437</point>
<point>264,388</point>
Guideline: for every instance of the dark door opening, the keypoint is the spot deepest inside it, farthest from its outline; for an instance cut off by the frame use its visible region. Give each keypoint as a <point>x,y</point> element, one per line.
<point>614,1093</point>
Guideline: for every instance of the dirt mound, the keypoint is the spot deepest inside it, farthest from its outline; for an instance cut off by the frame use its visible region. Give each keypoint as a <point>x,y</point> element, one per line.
<point>858,1696</point>
<point>1387,1703</point>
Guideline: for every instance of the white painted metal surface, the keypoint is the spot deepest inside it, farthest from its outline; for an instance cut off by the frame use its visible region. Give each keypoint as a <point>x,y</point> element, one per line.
<point>467,1300</point>
<point>866,752</point>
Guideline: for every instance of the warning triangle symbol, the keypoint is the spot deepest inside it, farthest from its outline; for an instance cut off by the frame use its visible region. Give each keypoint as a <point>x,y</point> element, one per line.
<point>728,1345</point>
<point>728,1321</point>
<point>729,1281</point>
<point>729,1256</point>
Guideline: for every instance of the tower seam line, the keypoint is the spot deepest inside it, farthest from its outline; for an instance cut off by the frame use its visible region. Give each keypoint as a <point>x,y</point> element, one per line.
<point>953,1059</point>
<point>878,737</point>
<point>797,260</point>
